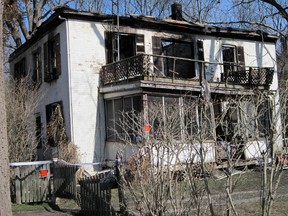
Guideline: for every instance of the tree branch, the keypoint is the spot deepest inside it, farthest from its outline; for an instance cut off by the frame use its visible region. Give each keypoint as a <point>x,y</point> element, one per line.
<point>278,7</point>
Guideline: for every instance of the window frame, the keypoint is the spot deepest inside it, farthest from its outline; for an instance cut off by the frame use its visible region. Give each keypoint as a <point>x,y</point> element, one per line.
<point>52,59</point>
<point>37,66</point>
<point>20,70</point>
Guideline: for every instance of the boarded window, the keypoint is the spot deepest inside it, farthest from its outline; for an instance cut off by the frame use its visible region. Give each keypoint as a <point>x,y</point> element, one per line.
<point>37,66</point>
<point>52,59</point>
<point>20,69</point>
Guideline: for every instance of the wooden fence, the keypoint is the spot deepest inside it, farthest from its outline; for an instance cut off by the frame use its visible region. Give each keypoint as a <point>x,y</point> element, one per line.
<point>95,196</point>
<point>30,182</point>
<point>64,180</point>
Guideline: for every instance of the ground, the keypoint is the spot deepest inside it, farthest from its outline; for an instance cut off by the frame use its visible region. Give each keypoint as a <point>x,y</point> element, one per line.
<point>246,198</point>
<point>62,207</point>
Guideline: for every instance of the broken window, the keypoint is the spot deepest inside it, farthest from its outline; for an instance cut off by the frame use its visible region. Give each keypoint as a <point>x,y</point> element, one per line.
<point>37,70</point>
<point>228,120</point>
<point>52,59</point>
<point>130,45</point>
<point>173,67</point>
<point>50,110</point>
<point>242,120</point>
<point>20,69</point>
<point>233,59</point>
<point>115,109</point>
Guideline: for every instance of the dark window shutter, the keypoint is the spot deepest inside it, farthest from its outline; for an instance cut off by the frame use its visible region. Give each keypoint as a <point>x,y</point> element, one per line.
<point>108,47</point>
<point>38,131</point>
<point>57,55</point>
<point>241,58</point>
<point>200,49</point>
<point>46,63</point>
<point>39,65</point>
<point>157,50</point>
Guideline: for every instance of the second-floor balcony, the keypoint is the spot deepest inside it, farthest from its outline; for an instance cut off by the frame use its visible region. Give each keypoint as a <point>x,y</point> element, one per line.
<point>174,68</point>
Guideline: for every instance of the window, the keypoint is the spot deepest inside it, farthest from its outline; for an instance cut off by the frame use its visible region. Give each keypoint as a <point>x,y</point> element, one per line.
<point>243,119</point>
<point>168,66</point>
<point>164,116</point>
<point>20,69</point>
<point>37,71</point>
<point>52,59</point>
<point>131,106</point>
<point>233,58</point>
<point>50,109</point>
<point>134,42</point>
<point>191,116</point>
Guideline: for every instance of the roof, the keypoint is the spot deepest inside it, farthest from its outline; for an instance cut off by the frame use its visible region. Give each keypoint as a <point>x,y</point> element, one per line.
<point>146,22</point>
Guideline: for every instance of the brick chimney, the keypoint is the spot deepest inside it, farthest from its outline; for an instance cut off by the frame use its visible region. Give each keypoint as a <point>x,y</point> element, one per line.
<point>176,11</point>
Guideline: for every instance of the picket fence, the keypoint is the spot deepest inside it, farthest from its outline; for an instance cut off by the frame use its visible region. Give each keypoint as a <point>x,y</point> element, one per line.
<point>43,181</point>
<point>31,181</point>
<point>64,180</point>
<point>95,196</point>
<point>34,182</point>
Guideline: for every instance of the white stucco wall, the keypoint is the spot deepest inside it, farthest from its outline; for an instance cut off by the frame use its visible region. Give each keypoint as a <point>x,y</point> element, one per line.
<point>53,91</point>
<point>256,54</point>
<point>86,53</point>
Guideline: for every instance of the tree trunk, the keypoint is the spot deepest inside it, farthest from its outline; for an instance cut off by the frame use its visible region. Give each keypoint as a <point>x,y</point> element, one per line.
<point>5,204</point>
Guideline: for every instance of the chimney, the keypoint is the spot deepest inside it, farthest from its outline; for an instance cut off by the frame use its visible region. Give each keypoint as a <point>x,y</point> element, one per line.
<point>176,11</point>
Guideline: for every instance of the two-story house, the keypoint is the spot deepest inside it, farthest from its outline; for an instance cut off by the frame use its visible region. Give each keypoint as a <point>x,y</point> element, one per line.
<point>95,69</point>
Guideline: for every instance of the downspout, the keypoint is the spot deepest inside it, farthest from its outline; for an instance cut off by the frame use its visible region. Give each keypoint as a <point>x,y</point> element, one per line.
<point>69,76</point>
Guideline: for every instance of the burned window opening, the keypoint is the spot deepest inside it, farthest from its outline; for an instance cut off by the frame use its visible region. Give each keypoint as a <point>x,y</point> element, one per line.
<point>173,67</point>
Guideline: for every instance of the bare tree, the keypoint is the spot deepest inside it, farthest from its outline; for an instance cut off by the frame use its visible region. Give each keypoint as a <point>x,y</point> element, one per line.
<point>5,204</point>
<point>163,175</point>
<point>22,18</point>
<point>22,100</point>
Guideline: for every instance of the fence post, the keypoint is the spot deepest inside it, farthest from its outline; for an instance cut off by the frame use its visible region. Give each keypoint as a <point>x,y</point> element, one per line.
<point>17,185</point>
<point>122,200</point>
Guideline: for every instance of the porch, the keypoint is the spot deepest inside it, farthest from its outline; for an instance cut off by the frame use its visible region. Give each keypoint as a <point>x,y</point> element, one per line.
<point>169,69</point>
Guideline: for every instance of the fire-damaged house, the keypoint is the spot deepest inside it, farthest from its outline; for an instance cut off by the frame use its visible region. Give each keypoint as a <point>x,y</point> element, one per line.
<point>94,69</point>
